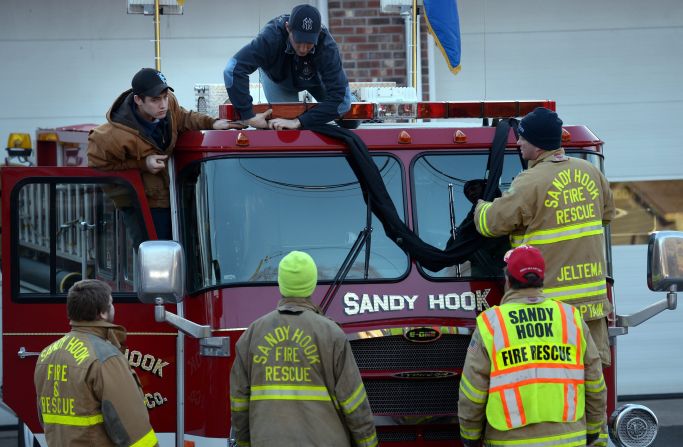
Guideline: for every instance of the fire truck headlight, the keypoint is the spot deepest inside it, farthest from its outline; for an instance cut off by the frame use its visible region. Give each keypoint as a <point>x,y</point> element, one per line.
<point>633,426</point>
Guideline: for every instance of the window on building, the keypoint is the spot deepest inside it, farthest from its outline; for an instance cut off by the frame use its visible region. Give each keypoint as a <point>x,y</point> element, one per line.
<point>644,207</point>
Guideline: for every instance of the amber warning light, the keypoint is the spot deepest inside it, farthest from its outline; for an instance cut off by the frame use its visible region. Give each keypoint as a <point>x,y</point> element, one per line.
<point>391,111</point>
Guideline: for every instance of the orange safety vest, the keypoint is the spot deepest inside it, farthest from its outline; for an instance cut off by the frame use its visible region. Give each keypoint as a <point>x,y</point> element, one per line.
<point>537,370</point>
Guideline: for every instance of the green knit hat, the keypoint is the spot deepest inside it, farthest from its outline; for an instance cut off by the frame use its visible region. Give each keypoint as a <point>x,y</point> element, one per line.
<point>297,275</point>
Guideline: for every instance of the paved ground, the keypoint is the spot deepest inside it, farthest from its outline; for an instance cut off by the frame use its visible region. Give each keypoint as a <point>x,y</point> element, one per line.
<point>669,413</point>
<point>8,439</point>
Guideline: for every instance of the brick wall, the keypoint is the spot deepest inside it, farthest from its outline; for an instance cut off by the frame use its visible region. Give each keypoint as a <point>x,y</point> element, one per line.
<point>372,43</point>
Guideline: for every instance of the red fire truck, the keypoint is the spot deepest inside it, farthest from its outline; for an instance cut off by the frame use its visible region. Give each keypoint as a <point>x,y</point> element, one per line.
<point>243,199</point>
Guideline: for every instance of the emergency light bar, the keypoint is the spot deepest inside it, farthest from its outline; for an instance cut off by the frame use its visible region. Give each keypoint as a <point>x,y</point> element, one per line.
<point>404,110</point>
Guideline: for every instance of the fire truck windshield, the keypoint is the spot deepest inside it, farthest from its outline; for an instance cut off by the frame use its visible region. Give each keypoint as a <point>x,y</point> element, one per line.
<point>241,215</point>
<point>432,173</point>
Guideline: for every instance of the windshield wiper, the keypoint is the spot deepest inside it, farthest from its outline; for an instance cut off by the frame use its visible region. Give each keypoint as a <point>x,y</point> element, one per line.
<point>217,271</point>
<point>368,226</point>
<point>454,227</point>
<point>362,239</point>
<point>345,267</point>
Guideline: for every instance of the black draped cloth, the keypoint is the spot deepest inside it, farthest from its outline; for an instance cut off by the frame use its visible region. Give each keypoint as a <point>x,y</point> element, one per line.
<point>468,243</point>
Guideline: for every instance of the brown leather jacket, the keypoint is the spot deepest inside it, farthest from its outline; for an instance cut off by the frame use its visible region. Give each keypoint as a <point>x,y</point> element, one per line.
<point>295,383</point>
<point>559,205</point>
<point>121,144</point>
<point>87,395</point>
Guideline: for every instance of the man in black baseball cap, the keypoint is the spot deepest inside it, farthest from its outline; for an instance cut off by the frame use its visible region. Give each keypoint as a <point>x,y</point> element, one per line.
<point>141,131</point>
<point>304,24</point>
<point>293,53</point>
<point>149,82</point>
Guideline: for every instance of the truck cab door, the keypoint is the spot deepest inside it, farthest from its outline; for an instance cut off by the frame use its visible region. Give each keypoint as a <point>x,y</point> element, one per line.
<point>61,225</point>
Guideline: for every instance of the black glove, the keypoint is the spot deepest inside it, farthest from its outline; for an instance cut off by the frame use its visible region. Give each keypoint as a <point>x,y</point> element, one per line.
<point>591,437</point>
<point>474,190</point>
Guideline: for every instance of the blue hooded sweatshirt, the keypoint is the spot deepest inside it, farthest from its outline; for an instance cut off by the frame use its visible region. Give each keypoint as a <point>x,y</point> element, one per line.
<point>272,52</point>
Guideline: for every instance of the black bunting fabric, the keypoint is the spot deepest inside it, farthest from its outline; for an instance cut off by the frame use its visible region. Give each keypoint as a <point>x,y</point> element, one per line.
<point>467,243</point>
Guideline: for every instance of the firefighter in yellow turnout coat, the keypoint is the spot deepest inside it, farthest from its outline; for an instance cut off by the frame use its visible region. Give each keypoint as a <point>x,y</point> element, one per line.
<point>558,205</point>
<point>531,372</point>
<point>87,394</point>
<point>294,381</point>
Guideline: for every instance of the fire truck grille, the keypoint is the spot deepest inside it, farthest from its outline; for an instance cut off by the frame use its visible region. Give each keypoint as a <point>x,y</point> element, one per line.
<point>444,435</point>
<point>397,436</point>
<point>411,435</point>
<point>413,397</point>
<point>394,352</point>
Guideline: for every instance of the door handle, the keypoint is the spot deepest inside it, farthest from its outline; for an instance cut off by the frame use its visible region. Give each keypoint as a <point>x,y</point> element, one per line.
<point>23,353</point>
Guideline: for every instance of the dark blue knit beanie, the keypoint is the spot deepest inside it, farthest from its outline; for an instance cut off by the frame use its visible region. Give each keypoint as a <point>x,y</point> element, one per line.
<point>542,128</point>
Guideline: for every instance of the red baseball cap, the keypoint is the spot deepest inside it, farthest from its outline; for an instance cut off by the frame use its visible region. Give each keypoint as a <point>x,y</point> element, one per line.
<point>524,259</point>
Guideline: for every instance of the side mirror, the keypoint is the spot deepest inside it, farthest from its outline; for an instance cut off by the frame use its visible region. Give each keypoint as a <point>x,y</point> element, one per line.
<point>665,261</point>
<point>161,280</point>
<point>664,274</point>
<point>161,272</point>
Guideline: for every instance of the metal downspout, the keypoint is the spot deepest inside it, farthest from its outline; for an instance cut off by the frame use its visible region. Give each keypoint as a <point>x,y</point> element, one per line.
<point>413,33</point>
<point>413,63</point>
<point>407,22</point>
<point>324,13</point>
<point>431,67</point>
<point>418,58</point>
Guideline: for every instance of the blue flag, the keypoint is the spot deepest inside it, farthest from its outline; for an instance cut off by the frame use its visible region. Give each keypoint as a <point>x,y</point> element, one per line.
<point>444,24</point>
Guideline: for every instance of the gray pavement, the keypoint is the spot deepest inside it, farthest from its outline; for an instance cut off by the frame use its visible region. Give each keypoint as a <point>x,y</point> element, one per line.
<point>8,438</point>
<point>669,414</point>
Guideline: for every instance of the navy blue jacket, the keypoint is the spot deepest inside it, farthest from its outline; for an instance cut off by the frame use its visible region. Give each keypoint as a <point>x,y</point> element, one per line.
<point>272,52</point>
